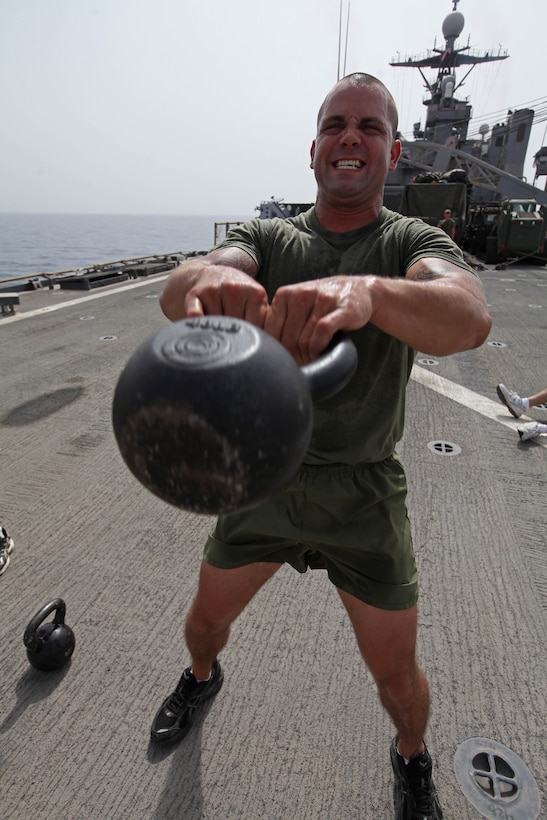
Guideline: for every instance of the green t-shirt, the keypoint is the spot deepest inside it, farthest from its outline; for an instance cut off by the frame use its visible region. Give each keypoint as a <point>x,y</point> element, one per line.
<point>364,421</point>
<point>448,226</point>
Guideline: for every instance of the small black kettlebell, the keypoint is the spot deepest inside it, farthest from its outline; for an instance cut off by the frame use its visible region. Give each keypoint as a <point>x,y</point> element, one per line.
<point>49,646</point>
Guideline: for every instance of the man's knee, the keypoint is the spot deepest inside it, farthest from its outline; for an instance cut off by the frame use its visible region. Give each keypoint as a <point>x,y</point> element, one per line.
<point>223,594</point>
<point>402,684</point>
<point>204,618</point>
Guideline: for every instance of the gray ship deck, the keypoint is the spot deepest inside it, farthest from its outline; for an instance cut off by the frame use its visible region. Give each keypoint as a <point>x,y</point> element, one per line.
<point>297,731</point>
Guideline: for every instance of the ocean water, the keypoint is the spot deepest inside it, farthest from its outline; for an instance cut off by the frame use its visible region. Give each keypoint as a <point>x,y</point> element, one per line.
<point>46,243</point>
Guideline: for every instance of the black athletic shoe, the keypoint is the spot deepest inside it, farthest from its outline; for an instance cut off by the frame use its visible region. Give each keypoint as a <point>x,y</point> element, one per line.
<point>176,714</point>
<point>415,793</point>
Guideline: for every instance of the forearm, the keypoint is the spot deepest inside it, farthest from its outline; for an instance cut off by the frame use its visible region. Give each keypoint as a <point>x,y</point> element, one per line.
<point>438,316</point>
<point>221,283</point>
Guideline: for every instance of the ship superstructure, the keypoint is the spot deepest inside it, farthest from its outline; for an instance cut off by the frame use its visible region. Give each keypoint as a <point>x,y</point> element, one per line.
<point>493,161</point>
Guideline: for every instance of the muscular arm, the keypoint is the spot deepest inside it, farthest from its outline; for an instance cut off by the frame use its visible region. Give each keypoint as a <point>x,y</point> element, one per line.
<point>438,308</point>
<point>220,283</point>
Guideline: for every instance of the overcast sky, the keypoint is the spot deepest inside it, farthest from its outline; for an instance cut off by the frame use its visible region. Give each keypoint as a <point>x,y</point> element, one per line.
<point>209,106</point>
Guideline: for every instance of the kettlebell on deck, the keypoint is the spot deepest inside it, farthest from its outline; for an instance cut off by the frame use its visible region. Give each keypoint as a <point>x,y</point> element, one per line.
<point>213,415</point>
<point>49,645</point>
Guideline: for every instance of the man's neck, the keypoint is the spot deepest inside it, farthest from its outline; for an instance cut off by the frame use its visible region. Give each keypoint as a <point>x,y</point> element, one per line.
<point>341,220</point>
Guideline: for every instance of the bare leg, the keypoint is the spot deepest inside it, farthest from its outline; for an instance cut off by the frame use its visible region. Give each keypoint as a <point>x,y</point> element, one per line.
<point>387,641</point>
<point>538,398</point>
<point>222,595</point>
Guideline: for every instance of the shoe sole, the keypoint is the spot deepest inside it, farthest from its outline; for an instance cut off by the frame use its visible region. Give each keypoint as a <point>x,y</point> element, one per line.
<point>504,401</point>
<point>5,565</point>
<point>7,552</point>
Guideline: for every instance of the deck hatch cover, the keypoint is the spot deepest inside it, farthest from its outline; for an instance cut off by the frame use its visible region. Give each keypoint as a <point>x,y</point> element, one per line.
<point>444,448</point>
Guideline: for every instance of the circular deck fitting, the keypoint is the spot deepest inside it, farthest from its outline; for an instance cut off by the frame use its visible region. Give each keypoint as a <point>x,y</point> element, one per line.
<point>496,344</point>
<point>108,338</point>
<point>444,448</point>
<point>428,362</point>
<point>496,781</point>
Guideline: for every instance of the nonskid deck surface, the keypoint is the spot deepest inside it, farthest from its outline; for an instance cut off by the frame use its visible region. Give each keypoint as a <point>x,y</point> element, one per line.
<point>297,730</point>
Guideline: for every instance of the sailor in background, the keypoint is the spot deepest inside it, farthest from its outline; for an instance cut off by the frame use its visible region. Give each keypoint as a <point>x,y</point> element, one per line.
<point>447,224</point>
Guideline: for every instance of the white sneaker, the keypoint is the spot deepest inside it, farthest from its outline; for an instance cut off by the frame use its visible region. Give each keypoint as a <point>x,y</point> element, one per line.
<point>6,547</point>
<point>530,430</point>
<point>513,402</point>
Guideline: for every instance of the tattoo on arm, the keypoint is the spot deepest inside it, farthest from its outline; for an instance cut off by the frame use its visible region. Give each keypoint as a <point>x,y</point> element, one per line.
<point>425,274</point>
<point>427,270</point>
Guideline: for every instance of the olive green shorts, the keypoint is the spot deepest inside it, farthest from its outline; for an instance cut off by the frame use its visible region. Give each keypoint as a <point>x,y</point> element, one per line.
<point>348,519</point>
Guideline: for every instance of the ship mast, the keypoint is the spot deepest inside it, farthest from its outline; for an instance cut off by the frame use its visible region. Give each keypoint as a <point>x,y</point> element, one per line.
<point>448,118</point>
<point>342,63</point>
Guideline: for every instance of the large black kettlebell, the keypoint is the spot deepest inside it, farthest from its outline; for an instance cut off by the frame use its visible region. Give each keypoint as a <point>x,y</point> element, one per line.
<point>49,646</point>
<point>213,415</point>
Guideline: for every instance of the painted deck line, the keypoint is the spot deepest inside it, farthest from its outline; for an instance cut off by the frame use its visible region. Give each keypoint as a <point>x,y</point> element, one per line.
<point>473,401</point>
<point>29,314</point>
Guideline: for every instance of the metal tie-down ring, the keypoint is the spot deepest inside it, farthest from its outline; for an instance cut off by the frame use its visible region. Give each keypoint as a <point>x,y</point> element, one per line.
<point>496,781</point>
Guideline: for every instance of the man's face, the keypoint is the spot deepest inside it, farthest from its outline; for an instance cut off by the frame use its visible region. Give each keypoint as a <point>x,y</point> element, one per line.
<point>354,148</point>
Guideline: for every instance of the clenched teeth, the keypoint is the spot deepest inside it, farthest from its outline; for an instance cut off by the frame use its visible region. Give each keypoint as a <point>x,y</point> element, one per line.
<point>348,163</point>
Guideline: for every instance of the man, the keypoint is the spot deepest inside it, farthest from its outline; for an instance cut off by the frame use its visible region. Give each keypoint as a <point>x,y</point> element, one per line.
<point>396,285</point>
<point>447,224</point>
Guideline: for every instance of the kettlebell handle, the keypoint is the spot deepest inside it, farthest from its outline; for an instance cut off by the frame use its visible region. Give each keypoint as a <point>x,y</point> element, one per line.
<point>57,605</point>
<point>335,367</point>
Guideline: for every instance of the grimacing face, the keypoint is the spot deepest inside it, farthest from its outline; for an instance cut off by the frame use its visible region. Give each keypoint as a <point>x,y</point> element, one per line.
<point>354,148</point>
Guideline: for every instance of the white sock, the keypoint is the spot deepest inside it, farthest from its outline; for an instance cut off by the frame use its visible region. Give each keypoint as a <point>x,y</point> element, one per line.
<point>203,680</point>
<point>526,403</point>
